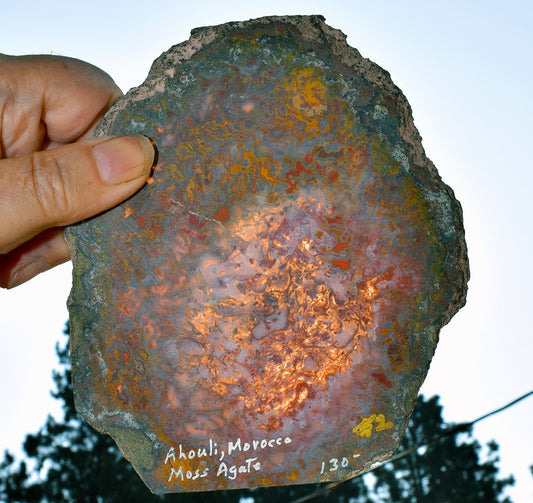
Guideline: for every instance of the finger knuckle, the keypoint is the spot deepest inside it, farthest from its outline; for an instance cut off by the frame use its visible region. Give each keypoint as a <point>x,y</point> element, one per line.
<point>49,186</point>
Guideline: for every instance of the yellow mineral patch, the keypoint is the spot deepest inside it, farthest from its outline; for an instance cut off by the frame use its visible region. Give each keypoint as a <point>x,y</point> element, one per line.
<point>308,92</point>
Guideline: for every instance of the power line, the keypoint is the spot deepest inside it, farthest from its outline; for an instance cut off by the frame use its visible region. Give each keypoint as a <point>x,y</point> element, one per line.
<point>450,431</point>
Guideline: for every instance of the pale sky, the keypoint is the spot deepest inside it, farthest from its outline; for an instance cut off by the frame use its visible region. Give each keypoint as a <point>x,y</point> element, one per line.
<point>465,67</point>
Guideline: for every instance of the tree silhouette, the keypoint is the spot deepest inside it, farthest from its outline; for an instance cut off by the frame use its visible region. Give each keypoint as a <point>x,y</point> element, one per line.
<point>67,461</point>
<point>448,471</point>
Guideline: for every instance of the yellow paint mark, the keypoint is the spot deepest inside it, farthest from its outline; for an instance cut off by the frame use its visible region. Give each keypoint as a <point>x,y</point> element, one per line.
<point>364,428</point>
<point>382,423</point>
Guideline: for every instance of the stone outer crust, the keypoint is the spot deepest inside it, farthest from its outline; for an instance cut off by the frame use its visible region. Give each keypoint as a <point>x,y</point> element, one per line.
<point>311,29</point>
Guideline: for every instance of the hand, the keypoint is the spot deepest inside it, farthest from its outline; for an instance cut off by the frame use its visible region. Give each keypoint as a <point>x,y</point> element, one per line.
<point>53,171</point>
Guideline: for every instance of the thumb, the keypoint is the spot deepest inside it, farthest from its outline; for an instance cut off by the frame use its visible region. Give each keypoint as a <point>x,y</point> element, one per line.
<point>64,185</point>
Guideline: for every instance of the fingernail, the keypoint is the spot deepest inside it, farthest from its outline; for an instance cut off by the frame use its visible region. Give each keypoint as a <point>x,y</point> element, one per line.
<point>124,158</point>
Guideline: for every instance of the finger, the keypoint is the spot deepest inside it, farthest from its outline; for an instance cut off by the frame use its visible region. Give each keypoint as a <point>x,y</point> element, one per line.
<point>44,251</point>
<point>50,100</point>
<point>59,187</point>
<point>78,99</point>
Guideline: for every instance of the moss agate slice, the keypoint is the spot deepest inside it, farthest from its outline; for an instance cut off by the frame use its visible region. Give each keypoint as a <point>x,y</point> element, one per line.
<point>265,311</point>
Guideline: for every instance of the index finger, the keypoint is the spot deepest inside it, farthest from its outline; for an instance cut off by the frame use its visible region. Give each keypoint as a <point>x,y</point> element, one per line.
<point>50,100</point>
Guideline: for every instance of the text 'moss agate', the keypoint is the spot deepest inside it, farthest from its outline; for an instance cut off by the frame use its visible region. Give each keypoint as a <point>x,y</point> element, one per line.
<point>265,311</point>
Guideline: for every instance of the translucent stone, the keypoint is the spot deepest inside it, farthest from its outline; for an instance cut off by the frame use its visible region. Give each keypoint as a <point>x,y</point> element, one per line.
<point>265,311</point>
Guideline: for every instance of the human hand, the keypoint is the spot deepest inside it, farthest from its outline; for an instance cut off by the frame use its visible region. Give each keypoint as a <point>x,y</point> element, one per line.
<point>53,171</point>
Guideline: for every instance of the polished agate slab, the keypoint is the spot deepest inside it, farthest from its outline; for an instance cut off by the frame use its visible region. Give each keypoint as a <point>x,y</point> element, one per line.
<point>265,311</point>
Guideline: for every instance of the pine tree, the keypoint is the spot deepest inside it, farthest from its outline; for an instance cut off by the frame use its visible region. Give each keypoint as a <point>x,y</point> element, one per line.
<point>450,471</point>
